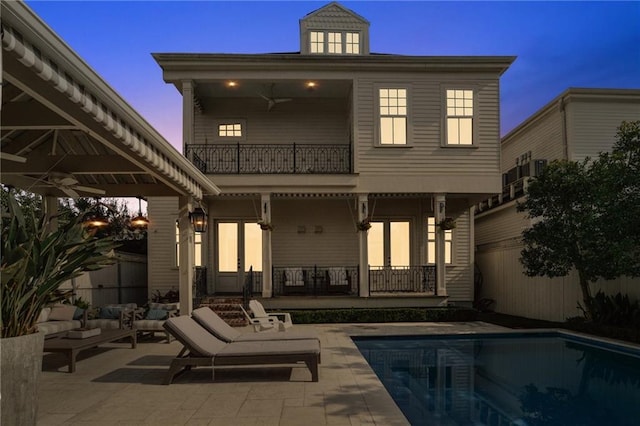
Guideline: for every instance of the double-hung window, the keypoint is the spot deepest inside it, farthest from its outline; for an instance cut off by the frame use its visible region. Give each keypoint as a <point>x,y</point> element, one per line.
<point>197,247</point>
<point>316,40</point>
<point>459,117</point>
<point>334,42</point>
<point>393,116</point>
<point>431,242</point>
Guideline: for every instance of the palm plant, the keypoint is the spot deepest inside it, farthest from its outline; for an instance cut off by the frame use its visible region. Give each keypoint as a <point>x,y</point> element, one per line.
<point>37,262</point>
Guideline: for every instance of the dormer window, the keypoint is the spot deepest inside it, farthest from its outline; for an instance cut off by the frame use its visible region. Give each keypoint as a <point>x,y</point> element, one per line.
<point>334,42</point>
<point>316,39</point>
<point>334,30</point>
<point>352,43</point>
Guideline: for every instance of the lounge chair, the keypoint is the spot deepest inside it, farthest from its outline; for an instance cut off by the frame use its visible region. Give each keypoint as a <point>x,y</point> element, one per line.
<point>223,331</point>
<point>259,312</point>
<point>263,324</point>
<point>201,348</point>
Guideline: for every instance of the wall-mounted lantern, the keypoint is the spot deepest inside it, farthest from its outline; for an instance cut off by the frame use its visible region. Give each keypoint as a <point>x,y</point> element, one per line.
<point>198,219</point>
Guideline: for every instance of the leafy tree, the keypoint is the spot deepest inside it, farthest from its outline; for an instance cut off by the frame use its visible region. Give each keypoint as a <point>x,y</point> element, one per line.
<point>586,217</point>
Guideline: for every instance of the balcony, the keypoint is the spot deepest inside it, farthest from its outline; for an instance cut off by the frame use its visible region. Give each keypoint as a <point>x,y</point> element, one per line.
<point>271,158</point>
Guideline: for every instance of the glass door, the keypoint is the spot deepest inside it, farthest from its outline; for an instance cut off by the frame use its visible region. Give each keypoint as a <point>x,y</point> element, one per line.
<point>239,247</point>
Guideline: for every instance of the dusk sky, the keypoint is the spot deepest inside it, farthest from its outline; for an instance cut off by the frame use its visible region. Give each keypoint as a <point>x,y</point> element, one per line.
<point>558,44</point>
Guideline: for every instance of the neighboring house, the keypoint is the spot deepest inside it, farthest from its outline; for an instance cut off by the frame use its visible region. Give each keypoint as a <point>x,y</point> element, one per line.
<point>579,123</point>
<point>319,144</point>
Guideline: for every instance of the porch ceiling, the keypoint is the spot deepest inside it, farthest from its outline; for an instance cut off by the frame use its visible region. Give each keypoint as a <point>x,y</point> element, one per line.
<point>64,131</point>
<point>277,88</point>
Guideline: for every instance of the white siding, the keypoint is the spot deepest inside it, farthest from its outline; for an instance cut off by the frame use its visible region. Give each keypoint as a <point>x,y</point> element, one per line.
<point>543,138</point>
<point>426,157</point>
<point>499,225</point>
<point>305,121</point>
<point>162,269</point>
<point>592,126</point>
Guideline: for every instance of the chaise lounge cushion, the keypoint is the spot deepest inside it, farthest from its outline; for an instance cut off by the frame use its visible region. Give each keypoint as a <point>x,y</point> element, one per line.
<point>219,328</point>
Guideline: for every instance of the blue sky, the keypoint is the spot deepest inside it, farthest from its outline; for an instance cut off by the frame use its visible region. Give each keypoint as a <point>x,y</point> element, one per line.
<point>557,44</point>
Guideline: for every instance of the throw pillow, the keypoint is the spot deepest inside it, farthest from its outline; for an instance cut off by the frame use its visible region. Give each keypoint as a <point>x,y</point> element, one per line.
<point>110,313</point>
<point>44,314</point>
<point>157,314</point>
<point>62,312</point>
<point>78,314</point>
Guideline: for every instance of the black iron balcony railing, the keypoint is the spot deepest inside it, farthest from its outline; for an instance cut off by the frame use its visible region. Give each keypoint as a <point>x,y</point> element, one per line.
<point>315,280</point>
<point>402,279</point>
<point>271,158</point>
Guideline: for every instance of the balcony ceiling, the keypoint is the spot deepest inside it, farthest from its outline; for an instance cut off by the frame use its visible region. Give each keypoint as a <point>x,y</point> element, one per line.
<point>274,88</point>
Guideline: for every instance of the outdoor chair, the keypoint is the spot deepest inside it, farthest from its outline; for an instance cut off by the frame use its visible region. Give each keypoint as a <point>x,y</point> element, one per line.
<point>215,325</point>
<point>263,324</point>
<point>259,312</point>
<point>201,348</point>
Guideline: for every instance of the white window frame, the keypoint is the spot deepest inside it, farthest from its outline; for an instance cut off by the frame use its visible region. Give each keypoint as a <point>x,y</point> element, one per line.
<point>456,108</point>
<point>230,122</point>
<point>334,42</point>
<point>392,112</point>
<point>316,42</point>
<point>431,243</point>
<point>197,248</point>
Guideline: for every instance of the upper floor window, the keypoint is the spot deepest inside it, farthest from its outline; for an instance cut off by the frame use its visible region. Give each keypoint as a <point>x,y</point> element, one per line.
<point>316,39</point>
<point>334,42</point>
<point>459,119</point>
<point>352,43</point>
<point>230,130</point>
<point>393,116</point>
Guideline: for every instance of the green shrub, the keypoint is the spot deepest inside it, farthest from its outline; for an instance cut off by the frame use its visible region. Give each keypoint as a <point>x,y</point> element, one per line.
<point>382,315</point>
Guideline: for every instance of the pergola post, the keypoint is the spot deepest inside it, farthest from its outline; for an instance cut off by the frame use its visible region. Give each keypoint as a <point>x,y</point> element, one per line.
<point>186,255</point>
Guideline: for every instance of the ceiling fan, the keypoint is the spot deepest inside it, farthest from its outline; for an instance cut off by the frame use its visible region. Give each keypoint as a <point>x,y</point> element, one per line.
<point>272,100</point>
<point>66,183</point>
<point>12,157</point>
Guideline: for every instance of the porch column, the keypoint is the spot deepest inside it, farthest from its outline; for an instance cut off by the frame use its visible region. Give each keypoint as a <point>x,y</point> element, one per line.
<point>362,208</point>
<point>187,113</point>
<point>186,255</point>
<point>440,214</point>
<point>267,284</point>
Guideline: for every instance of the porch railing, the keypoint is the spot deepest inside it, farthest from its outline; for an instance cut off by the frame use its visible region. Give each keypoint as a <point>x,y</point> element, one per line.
<point>402,279</point>
<point>315,280</point>
<point>271,158</point>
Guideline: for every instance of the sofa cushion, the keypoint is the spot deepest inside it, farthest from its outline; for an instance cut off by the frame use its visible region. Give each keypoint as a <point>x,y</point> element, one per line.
<point>62,312</point>
<point>110,312</point>
<point>44,314</point>
<point>78,314</point>
<point>157,314</point>
<point>58,326</point>
<point>166,306</point>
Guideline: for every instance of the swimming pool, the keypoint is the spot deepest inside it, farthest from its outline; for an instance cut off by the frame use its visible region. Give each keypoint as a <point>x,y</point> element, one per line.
<point>508,379</point>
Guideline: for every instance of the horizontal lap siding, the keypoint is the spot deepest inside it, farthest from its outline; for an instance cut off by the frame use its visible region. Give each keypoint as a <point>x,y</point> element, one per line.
<point>426,156</point>
<point>592,126</point>
<point>504,224</point>
<point>162,271</point>
<point>543,138</point>
<point>305,121</point>
<point>459,276</point>
<point>336,244</point>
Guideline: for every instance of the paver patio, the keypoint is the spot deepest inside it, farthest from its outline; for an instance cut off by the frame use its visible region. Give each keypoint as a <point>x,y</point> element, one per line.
<point>114,385</point>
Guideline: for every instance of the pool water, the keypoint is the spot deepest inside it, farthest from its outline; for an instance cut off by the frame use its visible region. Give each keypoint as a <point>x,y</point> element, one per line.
<point>524,379</point>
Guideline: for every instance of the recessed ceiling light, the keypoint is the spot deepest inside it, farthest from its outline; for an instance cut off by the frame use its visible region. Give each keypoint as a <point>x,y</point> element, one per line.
<point>311,84</point>
<point>232,83</point>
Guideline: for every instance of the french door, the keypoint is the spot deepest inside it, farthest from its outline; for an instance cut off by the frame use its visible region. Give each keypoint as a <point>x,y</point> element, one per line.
<point>239,248</point>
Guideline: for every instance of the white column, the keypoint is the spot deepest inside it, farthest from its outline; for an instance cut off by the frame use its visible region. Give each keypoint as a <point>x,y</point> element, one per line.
<point>440,214</point>
<point>267,262</point>
<point>187,257</point>
<point>187,113</point>
<point>362,207</point>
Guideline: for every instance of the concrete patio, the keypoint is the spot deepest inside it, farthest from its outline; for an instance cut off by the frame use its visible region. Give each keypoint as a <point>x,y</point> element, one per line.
<point>117,385</point>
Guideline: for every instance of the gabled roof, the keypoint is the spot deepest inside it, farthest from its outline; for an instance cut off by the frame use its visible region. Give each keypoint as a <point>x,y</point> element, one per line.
<point>334,9</point>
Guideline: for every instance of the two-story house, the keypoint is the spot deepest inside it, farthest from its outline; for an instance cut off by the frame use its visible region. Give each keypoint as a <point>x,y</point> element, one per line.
<point>577,124</point>
<point>335,166</point>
